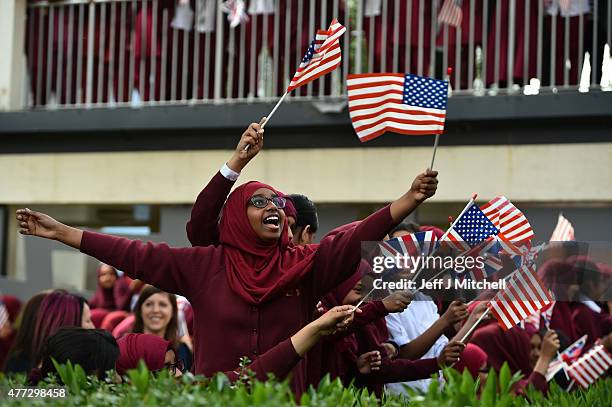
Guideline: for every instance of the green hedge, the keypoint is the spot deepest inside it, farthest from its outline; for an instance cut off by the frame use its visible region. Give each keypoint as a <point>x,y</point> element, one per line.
<point>146,389</point>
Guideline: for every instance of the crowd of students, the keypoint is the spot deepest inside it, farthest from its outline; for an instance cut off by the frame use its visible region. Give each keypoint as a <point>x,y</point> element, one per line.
<point>254,285</point>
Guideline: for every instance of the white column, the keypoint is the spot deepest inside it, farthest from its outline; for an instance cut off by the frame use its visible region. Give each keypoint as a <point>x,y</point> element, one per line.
<point>13,94</point>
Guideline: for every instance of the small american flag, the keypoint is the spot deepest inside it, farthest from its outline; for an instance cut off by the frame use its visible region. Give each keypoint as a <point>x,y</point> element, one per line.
<point>570,354</point>
<point>397,102</point>
<point>513,224</point>
<point>591,366</point>
<point>524,295</point>
<point>323,56</point>
<point>472,228</point>
<point>450,13</point>
<point>564,231</point>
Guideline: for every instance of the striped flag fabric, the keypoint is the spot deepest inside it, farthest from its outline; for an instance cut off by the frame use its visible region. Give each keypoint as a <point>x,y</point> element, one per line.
<point>450,13</point>
<point>524,295</point>
<point>512,222</point>
<point>570,354</point>
<point>396,102</point>
<point>4,315</point>
<point>323,56</point>
<point>564,231</point>
<point>591,366</point>
<point>472,228</point>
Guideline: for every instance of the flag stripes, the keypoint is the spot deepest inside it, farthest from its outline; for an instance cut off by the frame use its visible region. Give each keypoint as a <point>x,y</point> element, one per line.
<point>591,366</point>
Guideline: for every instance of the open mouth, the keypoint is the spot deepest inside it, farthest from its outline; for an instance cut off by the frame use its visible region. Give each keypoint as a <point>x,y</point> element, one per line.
<point>272,221</point>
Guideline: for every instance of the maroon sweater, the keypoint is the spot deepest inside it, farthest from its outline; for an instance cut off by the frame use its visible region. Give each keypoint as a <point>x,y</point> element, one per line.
<point>227,327</point>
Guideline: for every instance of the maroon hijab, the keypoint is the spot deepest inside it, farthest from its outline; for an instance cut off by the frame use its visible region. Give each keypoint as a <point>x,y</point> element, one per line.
<point>473,358</point>
<point>257,270</point>
<point>500,346</point>
<point>135,347</point>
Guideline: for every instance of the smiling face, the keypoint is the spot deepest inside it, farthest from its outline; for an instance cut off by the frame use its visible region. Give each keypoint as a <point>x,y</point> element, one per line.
<point>267,222</point>
<point>156,314</point>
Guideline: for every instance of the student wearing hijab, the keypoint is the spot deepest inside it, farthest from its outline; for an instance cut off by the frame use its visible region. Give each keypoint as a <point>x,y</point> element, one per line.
<point>478,360</point>
<point>158,353</point>
<point>21,354</point>
<point>514,347</point>
<point>255,286</point>
<point>113,292</point>
<point>95,350</point>
<point>156,313</point>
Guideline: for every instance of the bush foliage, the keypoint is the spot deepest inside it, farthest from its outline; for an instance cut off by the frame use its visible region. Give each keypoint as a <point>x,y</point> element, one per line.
<point>143,388</point>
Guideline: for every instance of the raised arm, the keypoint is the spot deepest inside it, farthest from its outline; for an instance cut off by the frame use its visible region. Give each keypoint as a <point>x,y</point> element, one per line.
<point>203,227</point>
<point>339,254</point>
<point>169,269</point>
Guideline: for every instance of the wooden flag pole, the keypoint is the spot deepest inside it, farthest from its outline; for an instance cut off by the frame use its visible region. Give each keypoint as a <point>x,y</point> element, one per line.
<point>469,332</point>
<point>449,72</point>
<point>435,148</point>
<point>246,148</point>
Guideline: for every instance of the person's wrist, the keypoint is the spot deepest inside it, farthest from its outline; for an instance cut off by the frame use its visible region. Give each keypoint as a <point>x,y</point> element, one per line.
<point>236,163</point>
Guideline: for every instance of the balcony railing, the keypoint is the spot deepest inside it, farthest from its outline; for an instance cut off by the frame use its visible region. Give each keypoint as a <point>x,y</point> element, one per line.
<point>103,53</point>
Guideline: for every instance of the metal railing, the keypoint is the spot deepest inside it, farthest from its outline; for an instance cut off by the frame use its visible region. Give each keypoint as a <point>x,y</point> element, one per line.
<point>103,53</point>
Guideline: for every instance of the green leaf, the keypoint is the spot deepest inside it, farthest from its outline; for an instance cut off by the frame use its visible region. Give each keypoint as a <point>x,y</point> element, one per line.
<point>489,393</point>
<point>504,378</point>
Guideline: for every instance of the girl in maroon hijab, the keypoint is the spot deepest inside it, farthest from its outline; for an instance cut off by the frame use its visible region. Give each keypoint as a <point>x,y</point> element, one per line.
<point>113,292</point>
<point>255,288</point>
<point>514,347</point>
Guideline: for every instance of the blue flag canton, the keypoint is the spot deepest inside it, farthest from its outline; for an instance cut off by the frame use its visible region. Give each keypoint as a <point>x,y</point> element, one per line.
<point>310,53</point>
<point>425,92</point>
<point>474,226</point>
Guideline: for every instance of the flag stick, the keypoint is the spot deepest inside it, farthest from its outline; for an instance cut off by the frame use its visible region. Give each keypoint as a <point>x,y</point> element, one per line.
<point>469,332</point>
<point>246,148</point>
<point>433,158</point>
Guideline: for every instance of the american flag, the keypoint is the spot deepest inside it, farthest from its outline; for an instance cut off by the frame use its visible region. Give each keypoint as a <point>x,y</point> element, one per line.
<point>524,295</point>
<point>397,102</point>
<point>450,13</point>
<point>471,229</point>
<point>562,360</point>
<point>591,366</point>
<point>564,231</point>
<point>512,222</point>
<point>323,56</point>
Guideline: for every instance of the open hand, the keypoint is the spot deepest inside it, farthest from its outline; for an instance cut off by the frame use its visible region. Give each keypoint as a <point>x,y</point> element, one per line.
<point>37,224</point>
<point>424,186</point>
<point>369,362</point>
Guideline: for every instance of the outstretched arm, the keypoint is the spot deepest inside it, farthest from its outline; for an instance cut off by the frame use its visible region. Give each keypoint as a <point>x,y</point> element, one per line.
<point>203,228</point>
<point>338,255</point>
<point>170,269</point>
